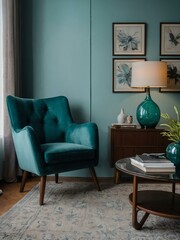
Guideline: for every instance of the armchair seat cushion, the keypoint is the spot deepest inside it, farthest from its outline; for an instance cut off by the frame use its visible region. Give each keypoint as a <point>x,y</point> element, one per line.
<point>55,153</point>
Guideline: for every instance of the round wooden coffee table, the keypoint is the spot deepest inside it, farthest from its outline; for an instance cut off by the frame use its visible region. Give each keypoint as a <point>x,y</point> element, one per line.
<point>160,203</point>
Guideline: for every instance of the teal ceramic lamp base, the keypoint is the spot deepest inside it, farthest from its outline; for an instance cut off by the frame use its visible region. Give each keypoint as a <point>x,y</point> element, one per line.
<point>148,112</point>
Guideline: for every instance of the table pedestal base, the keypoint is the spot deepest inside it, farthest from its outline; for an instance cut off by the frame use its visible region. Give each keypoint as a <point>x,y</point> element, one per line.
<point>150,202</point>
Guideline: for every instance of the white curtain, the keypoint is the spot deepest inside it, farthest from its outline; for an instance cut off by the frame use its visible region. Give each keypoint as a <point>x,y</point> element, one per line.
<point>1,165</point>
<point>11,21</point>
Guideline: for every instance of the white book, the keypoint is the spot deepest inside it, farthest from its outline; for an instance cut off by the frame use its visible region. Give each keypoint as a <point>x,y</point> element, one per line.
<point>124,125</point>
<point>160,169</point>
<point>152,164</point>
<point>151,158</point>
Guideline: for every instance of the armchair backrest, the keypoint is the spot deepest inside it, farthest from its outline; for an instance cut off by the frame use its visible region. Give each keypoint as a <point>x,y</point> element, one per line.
<point>49,117</point>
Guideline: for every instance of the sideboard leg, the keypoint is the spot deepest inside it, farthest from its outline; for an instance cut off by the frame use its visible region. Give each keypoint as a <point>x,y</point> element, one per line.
<point>117,176</point>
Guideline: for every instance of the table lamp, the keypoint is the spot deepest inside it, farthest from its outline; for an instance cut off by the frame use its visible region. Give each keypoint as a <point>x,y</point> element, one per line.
<point>148,74</point>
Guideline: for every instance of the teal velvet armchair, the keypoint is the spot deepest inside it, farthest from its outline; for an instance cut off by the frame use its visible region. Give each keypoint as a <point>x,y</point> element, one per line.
<point>48,141</point>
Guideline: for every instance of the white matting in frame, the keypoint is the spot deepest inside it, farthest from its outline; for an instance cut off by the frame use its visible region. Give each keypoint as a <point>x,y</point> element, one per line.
<point>122,72</point>
<point>129,38</point>
<point>170,39</point>
<point>173,75</point>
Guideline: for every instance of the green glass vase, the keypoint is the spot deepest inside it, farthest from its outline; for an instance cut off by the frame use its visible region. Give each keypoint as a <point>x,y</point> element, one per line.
<point>148,113</point>
<point>173,153</point>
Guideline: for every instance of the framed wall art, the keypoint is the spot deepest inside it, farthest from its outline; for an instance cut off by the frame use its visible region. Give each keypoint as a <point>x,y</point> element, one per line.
<point>122,69</point>
<point>173,75</point>
<point>170,39</point>
<point>129,38</point>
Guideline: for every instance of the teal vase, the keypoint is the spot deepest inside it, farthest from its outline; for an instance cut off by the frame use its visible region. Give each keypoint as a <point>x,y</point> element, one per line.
<point>148,113</point>
<point>173,153</point>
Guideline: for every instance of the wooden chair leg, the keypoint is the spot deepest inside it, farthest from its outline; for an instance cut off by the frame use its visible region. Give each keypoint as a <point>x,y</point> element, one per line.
<point>42,189</point>
<point>93,174</point>
<point>56,177</point>
<point>23,182</point>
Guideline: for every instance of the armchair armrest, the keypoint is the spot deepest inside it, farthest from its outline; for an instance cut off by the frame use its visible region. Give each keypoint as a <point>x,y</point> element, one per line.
<point>28,150</point>
<point>85,134</point>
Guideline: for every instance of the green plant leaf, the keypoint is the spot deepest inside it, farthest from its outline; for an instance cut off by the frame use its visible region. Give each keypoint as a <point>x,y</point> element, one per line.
<point>172,131</point>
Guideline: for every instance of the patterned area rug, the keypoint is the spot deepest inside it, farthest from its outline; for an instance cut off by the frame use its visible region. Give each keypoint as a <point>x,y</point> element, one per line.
<point>77,211</point>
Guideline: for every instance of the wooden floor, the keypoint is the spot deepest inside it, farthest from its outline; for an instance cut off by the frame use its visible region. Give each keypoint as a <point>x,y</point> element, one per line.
<point>11,194</point>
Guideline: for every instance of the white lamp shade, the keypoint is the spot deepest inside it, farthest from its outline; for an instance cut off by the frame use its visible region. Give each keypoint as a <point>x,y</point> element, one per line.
<point>149,74</point>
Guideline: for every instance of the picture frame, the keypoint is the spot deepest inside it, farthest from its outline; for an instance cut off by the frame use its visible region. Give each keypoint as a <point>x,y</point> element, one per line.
<point>173,75</point>
<point>129,39</point>
<point>169,39</point>
<point>122,69</point>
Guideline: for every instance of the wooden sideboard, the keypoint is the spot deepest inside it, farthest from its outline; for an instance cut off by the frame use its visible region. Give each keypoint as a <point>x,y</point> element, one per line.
<point>127,142</point>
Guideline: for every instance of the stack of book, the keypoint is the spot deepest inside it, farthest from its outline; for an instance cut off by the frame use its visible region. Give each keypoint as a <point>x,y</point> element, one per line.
<point>153,164</point>
<point>124,125</point>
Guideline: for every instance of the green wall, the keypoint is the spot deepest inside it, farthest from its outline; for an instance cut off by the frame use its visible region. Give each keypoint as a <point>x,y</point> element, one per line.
<point>67,50</point>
